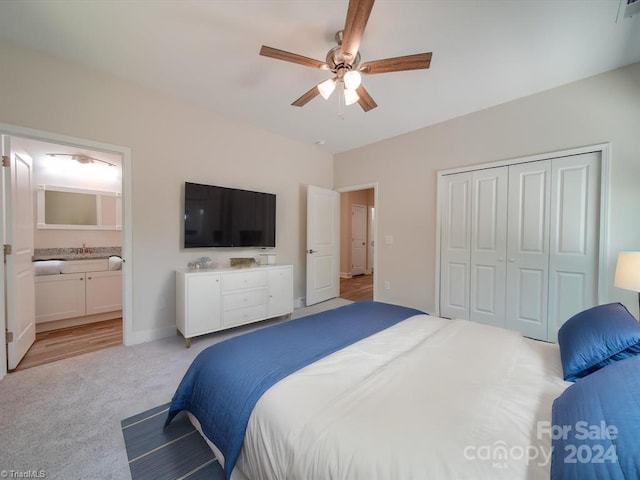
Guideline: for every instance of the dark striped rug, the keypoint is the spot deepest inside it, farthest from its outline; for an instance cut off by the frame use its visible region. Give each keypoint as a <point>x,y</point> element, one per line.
<point>172,453</point>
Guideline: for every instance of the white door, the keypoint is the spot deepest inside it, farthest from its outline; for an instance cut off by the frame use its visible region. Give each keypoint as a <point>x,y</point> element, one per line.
<point>103,291</point>
<point>528,248</point>
<point>574,246</point>
<point>488,246</point>
<point>18,231</point>
<point>358,239</point>
<point>60,296</point>
<point>202,292</point>
<point>455,251</point>
<point>370,236</point>
<point>280,291</point>
<point>323,247</point>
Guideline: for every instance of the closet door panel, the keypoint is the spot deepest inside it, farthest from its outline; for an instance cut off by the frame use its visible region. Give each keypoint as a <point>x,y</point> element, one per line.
<point>528,248</point>
<point>457,298</point>
<point>488,246</point>
<point>574,246</point>
<point>455,245</point>
<point>529,296</point>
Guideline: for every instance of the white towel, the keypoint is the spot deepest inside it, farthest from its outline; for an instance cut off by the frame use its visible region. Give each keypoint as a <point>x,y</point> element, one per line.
<point>115,263</point>
<point>47,267</point>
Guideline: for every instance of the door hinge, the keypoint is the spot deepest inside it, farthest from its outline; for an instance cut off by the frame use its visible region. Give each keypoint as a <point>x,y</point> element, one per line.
<point>5,161</point>
<point>7,250</point>
<point>9,337</point>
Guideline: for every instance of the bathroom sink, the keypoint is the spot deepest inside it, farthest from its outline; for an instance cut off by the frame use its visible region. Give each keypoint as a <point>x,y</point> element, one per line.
<point>90,265</point>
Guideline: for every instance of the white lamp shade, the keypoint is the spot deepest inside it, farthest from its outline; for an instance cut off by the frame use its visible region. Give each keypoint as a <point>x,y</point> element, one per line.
<point>352,79</point>
<point>350,96</point>
<point>326,88</point>
<point>628,271</point>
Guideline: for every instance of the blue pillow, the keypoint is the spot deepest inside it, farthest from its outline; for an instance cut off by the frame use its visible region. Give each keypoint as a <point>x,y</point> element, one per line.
<point>597,337</point>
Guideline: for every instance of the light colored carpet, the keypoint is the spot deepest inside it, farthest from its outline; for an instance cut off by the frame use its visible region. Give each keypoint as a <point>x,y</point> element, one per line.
<point>64,418</point>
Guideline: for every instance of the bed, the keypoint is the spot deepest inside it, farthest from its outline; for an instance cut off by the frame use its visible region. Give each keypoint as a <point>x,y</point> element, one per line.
<point>401,395</point>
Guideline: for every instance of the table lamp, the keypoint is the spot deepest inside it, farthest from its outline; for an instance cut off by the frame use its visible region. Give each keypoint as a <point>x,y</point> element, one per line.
<point>628,272</point>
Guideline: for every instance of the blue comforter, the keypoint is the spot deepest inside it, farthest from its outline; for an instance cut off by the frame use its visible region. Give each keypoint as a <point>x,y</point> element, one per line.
<point>596,426</point>
<point>226,380</point>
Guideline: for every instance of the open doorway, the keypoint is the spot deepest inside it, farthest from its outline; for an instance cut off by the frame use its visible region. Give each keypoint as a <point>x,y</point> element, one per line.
<point>77,255</point>
<point>357,243</point>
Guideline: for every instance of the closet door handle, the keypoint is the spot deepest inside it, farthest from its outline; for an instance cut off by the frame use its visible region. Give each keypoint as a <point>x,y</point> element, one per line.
<point>500,259</point>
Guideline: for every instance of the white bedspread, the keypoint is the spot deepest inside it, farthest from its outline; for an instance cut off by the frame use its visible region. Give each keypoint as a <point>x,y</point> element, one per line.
<point>427,398</point>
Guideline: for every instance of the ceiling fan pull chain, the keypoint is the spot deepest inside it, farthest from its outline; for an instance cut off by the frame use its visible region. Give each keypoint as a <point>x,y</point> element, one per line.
<point>341,103</point>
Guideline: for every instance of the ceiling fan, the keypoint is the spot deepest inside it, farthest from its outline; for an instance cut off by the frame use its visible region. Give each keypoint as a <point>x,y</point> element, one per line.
<point>344,61</point>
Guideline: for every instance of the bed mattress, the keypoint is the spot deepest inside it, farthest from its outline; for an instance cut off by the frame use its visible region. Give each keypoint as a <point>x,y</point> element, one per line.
<point>426,398</point>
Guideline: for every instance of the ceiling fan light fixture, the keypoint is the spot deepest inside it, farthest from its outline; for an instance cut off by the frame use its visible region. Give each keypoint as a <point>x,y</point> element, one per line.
<point>327,87</point>
<point>352,79</point>
<point>350,96</point>
<point>81,158</point>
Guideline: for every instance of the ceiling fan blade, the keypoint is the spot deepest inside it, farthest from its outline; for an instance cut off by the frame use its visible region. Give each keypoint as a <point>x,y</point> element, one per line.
<point>306,97</point>
<point>354,25</point>
<point>365,101</point>
<point>292,57</point>
<point>397,64</point>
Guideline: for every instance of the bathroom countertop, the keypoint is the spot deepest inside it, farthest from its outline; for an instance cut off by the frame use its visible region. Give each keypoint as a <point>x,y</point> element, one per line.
<point>72,253</point>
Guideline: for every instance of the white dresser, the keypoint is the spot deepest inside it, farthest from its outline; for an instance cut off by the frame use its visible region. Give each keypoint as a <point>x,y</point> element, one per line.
<point>212,300</point>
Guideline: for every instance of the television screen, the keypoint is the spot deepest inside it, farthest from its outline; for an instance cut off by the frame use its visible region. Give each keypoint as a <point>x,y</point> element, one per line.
<point>228,217</point>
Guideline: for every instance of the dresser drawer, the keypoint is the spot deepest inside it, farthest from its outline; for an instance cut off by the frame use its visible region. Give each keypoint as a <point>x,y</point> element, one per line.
<point>245,298</point>
<point>244,315</point>
<point>235,281</point>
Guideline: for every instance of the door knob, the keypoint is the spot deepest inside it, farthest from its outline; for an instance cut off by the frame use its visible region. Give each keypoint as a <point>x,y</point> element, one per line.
<point>311,251</point>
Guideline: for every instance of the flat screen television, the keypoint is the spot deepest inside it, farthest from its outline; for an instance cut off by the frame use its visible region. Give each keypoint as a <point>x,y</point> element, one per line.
<point>228,217</point>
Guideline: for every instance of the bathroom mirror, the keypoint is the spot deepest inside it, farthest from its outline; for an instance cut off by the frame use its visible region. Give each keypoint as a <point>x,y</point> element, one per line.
<point>73,208</point>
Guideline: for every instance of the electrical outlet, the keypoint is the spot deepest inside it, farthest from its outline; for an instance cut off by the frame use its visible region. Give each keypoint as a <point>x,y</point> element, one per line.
<point>387,285</point>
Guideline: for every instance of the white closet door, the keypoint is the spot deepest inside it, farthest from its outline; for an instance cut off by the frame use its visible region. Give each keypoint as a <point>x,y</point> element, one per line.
<point>455,253</point>
<point>573,260</point>
<point>528,248</point>
<point>489,246</point>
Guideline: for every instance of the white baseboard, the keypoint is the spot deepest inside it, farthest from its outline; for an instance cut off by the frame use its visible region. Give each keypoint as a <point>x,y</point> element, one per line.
<point>134,338</point>
<point>345,275</point>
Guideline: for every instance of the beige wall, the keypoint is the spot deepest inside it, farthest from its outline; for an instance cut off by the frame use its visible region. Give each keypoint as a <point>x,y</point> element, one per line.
<point>604,108</point>
<point>171,141</point>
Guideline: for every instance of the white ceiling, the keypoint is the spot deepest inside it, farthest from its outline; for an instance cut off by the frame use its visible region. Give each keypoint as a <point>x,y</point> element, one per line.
<point>485,52</point>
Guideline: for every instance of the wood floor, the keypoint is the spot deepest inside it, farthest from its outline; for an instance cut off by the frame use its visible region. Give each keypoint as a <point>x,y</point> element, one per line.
<point>71,342</point>
<point>356,288</point>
